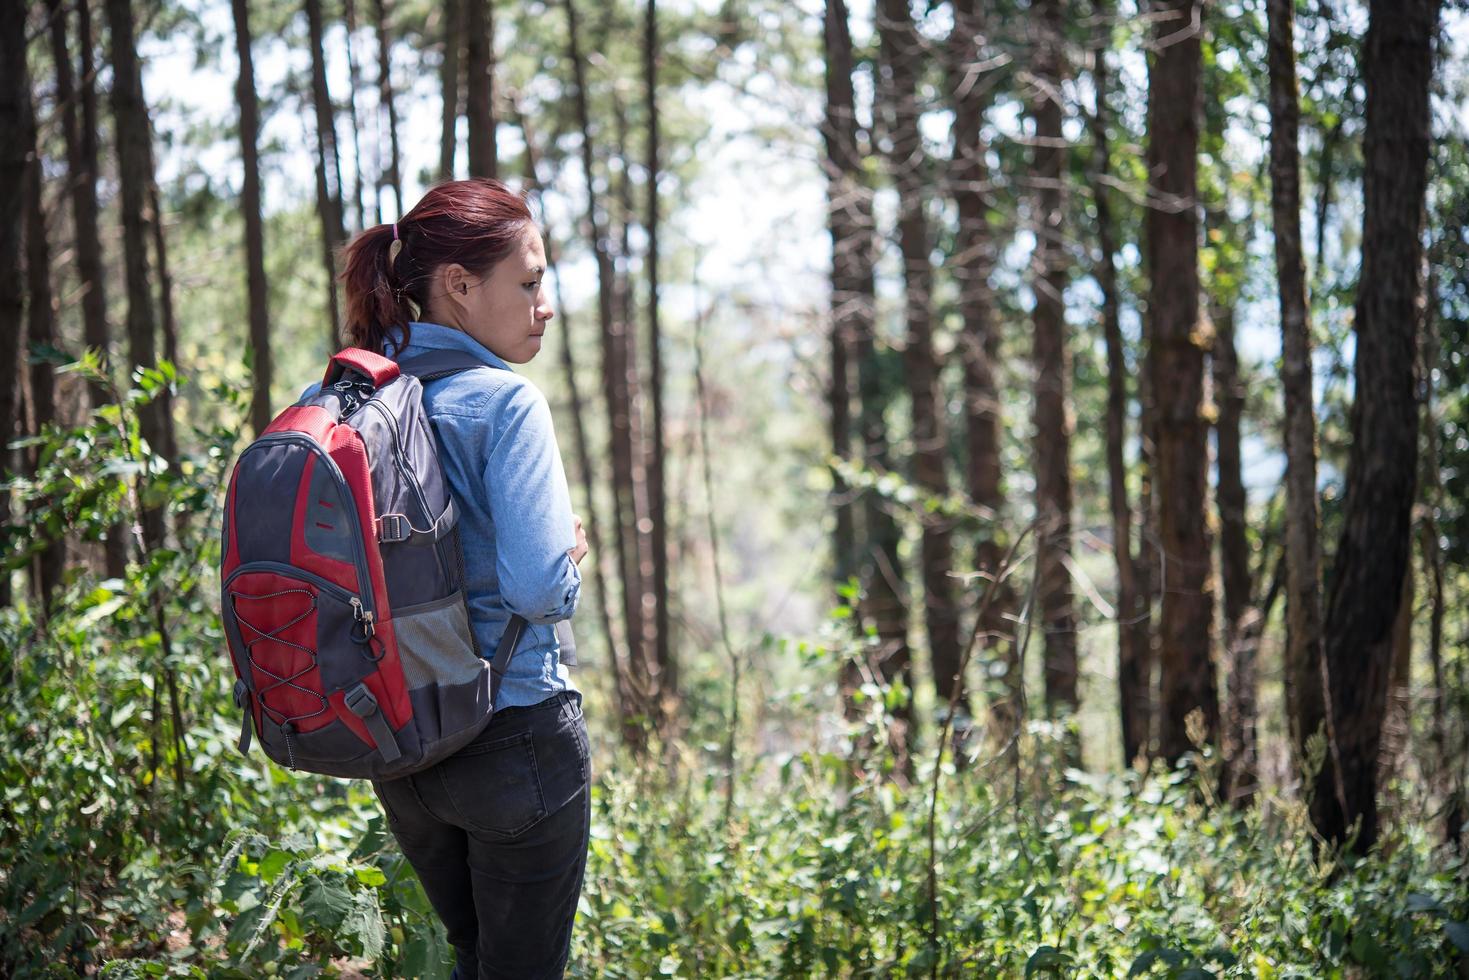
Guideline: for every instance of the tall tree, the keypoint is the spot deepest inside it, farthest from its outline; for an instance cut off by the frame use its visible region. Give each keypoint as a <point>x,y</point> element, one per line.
<point>1227,240</point>
<point>657,506</point>
<point>903,56</point>
<point>328,169</point>
<point>1305,696</point>
<point>480,70</point>
<point>979,342</point>
<point>15,95</point>
<point>354,84</point>
<point>615,365</point>
<point>1134,661</point>
<point>49,562</point>
<point>1372,552</point>
<point>1187,673</point>
<point>394,175</point>
<point>1051,447</point>
<point>854,247</point>
<point>260,413</point>
<point>453,12</point>
<point>81,156</point>
<point>134,157</point>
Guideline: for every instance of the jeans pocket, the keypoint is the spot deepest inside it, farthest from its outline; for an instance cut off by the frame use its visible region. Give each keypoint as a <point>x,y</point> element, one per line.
<point>495,785</point>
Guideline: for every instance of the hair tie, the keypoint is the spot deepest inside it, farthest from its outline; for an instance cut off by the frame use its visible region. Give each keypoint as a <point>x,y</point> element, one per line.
<point>395,231</point>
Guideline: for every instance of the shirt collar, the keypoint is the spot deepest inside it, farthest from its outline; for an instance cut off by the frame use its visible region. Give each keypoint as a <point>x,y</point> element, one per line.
<point>424,337</point>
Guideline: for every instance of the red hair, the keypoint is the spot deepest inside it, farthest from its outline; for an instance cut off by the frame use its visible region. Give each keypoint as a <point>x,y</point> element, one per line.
<point>473,222</point>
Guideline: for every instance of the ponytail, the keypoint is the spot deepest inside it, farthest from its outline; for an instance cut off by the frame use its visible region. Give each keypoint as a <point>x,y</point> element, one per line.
<point>473,222</point>
<point>377,304</point>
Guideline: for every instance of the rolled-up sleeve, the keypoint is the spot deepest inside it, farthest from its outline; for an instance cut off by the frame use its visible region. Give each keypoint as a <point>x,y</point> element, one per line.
<point>531,509</point>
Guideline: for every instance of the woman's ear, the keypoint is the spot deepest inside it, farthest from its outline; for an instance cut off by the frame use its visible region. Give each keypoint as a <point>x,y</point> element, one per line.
<point>454,284</point>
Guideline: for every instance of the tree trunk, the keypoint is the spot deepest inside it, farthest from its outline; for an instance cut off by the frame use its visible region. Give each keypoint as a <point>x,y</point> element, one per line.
<point>842,165</point>
<point>480,65</point>
<point>902,55</point>
<point>979,342</point>
<point>1187,678</point>
<point>47,565</point>
<point>260,413</point>
<point>385,98</point>
<point>614,388</point>
<point>627,698</point>
<point>1372,553</point>
<point>81,156</point>
<point>880,571</point>
<point>328,191</point>
<point>1305,695</point>
<point>1052,364</point>
<point>657,506</point>
<point>1132,661</point>
<point>15,95</point>
<point>130,116</point>
<point>449,86</point>
<point>354,84</point>
<point>167,322</point>
<point>1234,556</point>
<point>629,381</point>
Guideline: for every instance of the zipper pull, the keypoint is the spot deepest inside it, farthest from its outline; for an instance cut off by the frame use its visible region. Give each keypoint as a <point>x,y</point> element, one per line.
<point>364,618</point>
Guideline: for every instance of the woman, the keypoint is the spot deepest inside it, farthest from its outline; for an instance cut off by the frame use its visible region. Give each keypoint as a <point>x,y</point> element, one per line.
<point>498,832</point>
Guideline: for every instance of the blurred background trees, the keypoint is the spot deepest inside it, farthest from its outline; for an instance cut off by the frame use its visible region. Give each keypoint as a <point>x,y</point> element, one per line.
<point>1085,379</point>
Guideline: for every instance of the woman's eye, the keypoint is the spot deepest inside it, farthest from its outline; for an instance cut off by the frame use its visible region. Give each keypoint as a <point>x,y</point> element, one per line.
<point>531,285</point>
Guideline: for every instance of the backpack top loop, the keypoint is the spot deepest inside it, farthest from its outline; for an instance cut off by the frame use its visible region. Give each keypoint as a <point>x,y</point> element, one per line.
<point>378,369</point>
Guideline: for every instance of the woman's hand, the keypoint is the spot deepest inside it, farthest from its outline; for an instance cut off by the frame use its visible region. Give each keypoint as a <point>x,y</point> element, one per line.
<point>580,551</point>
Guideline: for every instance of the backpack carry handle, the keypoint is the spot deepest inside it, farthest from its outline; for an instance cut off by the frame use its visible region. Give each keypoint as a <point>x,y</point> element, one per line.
<point>380,370</point>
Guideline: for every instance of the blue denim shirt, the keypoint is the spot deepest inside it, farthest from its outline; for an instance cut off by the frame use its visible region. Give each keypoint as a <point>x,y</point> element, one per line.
<point>498,450</point>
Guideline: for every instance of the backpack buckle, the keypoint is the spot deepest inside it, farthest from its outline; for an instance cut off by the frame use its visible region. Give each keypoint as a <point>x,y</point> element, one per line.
<point>393,528</point>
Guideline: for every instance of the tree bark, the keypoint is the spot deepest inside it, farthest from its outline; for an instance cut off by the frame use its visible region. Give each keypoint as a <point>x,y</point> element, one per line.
<point>1132,650</point>
<point>1305,695</point>
<point>354,84</point>
<point>880,571</point>
<point>449,86</point>
<point>328,166</point>
<point>81,157</point>
<point>657,505</point>
<point>627,699</point>
<point>15,95</point>
<point>480,65</point>
<point>385,98</point>
<point>614,389</point>
<point>979,342</point>
<point>130,115</point>
<point>1187,673</point>
<point>1372,553</point>
<point>842,165</point>
<point>256,296</point>
<point>47,565</point>
<point>1052,365</point>
<point>902,56</point>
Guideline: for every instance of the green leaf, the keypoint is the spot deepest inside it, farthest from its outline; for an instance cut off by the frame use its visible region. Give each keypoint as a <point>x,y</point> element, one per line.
<point>326,902</point>
<point>273,864</point>
<point>1458,933</point>
<point>364,922</point>
<point>372,877</point>
<point>1046,958</point>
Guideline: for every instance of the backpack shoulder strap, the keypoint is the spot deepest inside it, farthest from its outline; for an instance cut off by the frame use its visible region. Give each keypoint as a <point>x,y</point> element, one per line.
<point>440,364</point>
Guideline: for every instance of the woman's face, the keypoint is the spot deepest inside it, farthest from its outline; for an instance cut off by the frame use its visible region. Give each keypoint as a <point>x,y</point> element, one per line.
<point>506,310</point>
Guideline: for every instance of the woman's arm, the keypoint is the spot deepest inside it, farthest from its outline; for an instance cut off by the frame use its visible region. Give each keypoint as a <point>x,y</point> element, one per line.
<point>531,508</point>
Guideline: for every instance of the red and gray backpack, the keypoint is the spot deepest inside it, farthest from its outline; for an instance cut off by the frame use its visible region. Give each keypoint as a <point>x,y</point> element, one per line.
<point>343,580</point>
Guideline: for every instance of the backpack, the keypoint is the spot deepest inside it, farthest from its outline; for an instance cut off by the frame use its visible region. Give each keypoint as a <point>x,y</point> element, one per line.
<point>342,581</point>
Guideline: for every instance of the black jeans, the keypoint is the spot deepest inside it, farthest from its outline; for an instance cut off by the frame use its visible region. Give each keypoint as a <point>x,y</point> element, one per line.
<point>498,834</point>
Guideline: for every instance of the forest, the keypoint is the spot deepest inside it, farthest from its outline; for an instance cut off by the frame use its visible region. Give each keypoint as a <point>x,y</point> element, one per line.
<point>1023,446</point>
